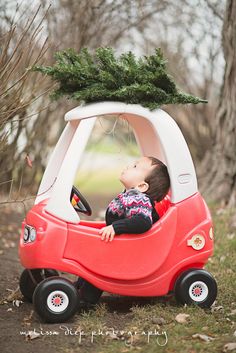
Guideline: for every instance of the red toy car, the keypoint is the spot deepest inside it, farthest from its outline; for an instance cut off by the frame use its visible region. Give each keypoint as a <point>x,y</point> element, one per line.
<point>170,257</point>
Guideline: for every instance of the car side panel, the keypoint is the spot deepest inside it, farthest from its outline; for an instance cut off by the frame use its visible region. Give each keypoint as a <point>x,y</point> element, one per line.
<point>127,256</point>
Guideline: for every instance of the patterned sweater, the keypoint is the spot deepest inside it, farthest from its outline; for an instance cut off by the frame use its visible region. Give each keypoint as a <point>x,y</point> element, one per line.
<point>131,212</point>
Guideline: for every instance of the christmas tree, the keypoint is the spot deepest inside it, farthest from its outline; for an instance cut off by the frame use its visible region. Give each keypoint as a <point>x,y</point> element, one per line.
<point>101,76</point>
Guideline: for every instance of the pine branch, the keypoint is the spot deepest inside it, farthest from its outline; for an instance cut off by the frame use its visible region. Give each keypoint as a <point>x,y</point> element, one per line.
<point>103,77</point>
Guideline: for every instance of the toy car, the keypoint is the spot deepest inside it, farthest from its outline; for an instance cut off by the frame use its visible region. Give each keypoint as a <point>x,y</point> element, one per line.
<point>169,258</point>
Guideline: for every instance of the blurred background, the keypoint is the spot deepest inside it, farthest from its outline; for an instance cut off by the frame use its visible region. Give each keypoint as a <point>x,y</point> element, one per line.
<point>190,34</point>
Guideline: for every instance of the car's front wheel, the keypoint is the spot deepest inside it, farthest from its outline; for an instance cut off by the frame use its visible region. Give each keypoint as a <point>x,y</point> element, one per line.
<point>55,299</point>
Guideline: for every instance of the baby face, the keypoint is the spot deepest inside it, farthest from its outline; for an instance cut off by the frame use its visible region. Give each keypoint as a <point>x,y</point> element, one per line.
<point>135,174</point>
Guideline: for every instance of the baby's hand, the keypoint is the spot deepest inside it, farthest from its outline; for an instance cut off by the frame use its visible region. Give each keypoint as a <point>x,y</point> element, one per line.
<point>107,232</point>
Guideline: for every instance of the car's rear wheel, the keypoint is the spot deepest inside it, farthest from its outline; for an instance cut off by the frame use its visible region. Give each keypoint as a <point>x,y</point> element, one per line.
<point>55,300</point>
<point>30,278</point>
<point>196,286</point>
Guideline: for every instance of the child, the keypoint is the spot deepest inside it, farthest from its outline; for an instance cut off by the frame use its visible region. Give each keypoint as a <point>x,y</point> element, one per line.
<point>133,211</point>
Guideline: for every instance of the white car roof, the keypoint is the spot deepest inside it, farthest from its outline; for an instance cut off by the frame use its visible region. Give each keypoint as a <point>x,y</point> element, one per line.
<point>157,135</point>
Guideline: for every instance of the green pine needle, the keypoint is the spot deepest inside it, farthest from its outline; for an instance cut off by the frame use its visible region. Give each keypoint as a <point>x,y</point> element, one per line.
<point>98,77</point>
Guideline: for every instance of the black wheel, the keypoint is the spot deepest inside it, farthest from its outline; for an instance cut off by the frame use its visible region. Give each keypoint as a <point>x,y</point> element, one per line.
<point>196,287</point>
<point>88,292</point>
<point>55,299</point>
<point>30,278</point>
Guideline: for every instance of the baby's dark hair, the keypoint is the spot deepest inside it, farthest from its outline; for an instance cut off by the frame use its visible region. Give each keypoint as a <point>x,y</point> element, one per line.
<point>158,180</point>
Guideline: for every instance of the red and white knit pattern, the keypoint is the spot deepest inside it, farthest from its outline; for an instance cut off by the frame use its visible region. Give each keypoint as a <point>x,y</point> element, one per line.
<point>130,203</point>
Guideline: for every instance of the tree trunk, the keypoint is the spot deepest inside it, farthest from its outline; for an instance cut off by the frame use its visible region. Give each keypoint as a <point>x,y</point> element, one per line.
<point>219,165</point>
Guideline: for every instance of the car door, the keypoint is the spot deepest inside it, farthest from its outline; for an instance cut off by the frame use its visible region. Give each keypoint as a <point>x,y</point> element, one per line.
<point>128,256</point>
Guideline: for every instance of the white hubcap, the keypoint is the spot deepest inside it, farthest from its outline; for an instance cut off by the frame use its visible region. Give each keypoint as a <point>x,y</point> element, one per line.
<point>57,301</point>
<point>198,291</point>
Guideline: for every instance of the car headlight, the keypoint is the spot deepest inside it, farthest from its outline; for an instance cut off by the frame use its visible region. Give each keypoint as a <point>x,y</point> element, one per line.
<point>29,234</point>
<point>32,234</point>
<point>26,234</point>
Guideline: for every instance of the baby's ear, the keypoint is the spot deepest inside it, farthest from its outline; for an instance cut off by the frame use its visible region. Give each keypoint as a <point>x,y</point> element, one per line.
<point>143,186</point>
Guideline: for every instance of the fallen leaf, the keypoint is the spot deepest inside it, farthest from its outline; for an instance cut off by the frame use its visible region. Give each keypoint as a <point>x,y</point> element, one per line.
<point>14,294</point>
<point>29,317</point>
<point>17,303</point>
<point>182,318</point>
<point>230,236</point>
<point>112,335</point>
<point>205,328</point>
<point>8,243</point>
<point>204,338</point>
<point>158,320</point>
<point>10,228</point>
<point>229,347</point>
<point>217,308</point>
<point>220,211</point>
<point>233,312</point>
<point>31,335</point>
<point>229,270</point>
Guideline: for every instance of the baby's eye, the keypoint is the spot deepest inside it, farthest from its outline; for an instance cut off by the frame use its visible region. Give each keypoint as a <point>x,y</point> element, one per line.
<point>135,166</point>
